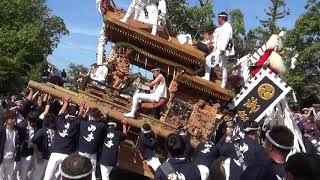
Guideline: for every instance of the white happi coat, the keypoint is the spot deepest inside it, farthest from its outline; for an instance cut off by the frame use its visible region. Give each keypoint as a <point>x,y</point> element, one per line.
<point>100,75</point>
<point>136,11</point>
<point>221,37</point>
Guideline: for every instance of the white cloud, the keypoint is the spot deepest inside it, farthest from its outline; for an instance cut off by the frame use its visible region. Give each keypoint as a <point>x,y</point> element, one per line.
<point>81,47</point>
<point>84,31</point>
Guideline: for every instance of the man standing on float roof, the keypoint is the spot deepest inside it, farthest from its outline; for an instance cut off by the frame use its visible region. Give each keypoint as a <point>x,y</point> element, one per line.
<point>159,91</point>
<point>223,47</point>
<point>145,11</point>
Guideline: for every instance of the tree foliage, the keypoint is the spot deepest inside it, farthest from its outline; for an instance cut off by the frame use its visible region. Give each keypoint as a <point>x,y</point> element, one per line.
<point>192,20</point>
<point>239,31</point>
<point>304,40</point>
<point>74,70</point>
<point>28,34</point>
<point>276,11</point>
<point>73,73</point>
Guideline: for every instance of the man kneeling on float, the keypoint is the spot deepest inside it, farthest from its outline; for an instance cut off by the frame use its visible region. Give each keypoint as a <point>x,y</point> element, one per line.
<point>159,92</point>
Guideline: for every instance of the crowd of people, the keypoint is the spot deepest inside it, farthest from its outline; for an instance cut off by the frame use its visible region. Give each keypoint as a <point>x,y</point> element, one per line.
<point>53,75</point>
<point>42,137</point>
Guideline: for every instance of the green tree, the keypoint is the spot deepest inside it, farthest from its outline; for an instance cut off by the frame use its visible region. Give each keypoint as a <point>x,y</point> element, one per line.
<point>73,73</point>
<point>192,20</point>
<point>74,70</point>
<point>276,11</point>
<point>28,34</point>
<point>304,40</point>
<point>239,32</point>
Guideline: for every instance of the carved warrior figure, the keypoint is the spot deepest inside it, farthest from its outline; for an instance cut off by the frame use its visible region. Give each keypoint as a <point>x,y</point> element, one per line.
<point>121,72</point>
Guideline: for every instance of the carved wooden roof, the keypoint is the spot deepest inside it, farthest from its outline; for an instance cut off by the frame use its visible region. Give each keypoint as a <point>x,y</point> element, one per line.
<point>138,34</point>
<point>205,86</point>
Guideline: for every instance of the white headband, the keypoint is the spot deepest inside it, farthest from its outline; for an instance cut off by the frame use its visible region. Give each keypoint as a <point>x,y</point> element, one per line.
<point>155,69</point>
<point>69,116</point>
<point>112,124</point>
<point>275,143</point>
<point>144,131</point>
<point>222,15</point>
<point>251,129</point>
<point>78,176</point>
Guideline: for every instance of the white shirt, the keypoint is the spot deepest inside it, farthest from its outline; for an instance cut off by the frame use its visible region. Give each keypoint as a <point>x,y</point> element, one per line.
<point>20,118</point>
<point>31,134</point>
<point>55,72</point>
<point>136,9</point>
<point>222,36</point>
<point>184,38</point>
<point>162,7</point>
<point>161,89</point>
<point>9,146</point>
<point>100,75</point>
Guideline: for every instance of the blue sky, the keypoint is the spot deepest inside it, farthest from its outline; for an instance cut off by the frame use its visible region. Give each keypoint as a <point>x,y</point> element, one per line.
<point>84,23</point>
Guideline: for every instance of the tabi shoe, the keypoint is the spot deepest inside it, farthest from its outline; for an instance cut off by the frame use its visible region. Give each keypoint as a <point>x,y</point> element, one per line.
<point>124,20</point>
<point>129,115</point>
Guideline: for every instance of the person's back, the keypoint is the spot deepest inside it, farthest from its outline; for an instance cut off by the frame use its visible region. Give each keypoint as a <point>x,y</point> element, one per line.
<point>177,167</point>
<point>302,166</point>
<point>184,170</point>
<point>278,145</point>
<point>63,74</point>
<point>146,145</point>
<point>91,132</point>
<point>249,152</point>
<point>66,134</point>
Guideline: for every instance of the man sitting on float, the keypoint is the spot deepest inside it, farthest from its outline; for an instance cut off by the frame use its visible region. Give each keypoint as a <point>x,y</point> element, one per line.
<point>158,93</point>
<point>98,74</point>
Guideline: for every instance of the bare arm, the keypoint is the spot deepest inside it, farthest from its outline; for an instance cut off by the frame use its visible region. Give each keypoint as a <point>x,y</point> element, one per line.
<point>81,108</point>
<point>124,126</point>
<point>45,98</point>
<point>30,94</point>
<point>311,111</point>
<point>86,110</point>
<point>35,95</point>
<point>154,82</point>
<point>47,109</point>
<point>65,105</point>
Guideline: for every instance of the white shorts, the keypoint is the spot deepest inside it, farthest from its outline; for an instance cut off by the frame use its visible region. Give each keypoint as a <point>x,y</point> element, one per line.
<point>154,162</point>
<point>204,172</point>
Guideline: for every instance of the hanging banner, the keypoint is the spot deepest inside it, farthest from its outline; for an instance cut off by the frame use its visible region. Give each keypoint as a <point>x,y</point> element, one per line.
<point>261,95</point>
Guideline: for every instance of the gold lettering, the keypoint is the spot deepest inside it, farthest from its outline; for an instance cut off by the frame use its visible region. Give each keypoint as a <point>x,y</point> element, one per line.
<point>243,115</point>
<point>252,104</point>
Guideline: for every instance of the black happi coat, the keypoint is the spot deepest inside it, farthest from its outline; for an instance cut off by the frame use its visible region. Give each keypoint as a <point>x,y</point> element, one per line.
<point>146,146</point>
<point>91,136</point>
<point>205,153</point>
<point>184,168</point>
<point>109,154</point>
<point>42,139</point>
<point>17,142</point>
<point>270,170</point>
<point>252,153</point>
<point>66,134</point>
